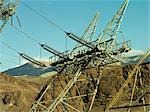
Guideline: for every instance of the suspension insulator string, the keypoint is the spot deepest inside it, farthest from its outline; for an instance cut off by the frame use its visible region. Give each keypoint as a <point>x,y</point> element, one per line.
<point>40,53</point>
<point>66,43</point>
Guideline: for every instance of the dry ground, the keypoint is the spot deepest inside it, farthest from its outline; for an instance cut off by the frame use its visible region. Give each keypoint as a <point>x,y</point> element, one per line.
<point>17,94</point>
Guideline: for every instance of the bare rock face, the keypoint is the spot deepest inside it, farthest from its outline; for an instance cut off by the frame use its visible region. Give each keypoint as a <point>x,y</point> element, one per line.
<point>2,105</point>
<point>9,100</point>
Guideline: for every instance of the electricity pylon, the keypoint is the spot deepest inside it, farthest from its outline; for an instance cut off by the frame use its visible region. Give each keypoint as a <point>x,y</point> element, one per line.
<point>102,53</point>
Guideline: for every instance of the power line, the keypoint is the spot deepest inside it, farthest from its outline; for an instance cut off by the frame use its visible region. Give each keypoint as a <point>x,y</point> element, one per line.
<point>27,35</point>
<point>26,56</point>
<point>33,39</point>
<point>8,54</point>
<point>45,18</point>
<point>4,43</point>
<point>10,47</point>
<point>22,54</point>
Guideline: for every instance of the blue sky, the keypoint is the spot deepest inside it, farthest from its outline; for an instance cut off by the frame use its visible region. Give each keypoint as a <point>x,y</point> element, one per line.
<point>73,16</point>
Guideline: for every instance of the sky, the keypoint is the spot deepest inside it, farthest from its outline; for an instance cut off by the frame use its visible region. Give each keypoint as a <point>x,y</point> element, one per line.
<point>72,16</point>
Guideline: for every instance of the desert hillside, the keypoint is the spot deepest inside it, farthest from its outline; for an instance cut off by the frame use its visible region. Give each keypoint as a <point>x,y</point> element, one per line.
<point>18,94</point>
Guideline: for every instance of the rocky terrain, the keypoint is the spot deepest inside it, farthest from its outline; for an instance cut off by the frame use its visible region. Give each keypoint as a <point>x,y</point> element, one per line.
<point>18,94</point>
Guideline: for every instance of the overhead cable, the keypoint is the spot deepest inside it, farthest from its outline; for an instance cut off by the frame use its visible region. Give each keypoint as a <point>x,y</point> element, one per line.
<point>27,35</point>
<point>45,18</point>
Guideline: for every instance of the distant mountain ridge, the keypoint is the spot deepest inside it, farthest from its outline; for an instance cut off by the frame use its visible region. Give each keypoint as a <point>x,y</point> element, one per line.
<point>33,70</point>
<point>28,69</point>
<point>134,59</point>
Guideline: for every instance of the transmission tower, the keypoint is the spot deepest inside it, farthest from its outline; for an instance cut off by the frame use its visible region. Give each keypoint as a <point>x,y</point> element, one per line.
<point>73,73</point>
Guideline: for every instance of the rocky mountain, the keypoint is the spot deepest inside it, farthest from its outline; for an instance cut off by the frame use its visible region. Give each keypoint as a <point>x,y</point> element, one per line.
<point>28,69</point>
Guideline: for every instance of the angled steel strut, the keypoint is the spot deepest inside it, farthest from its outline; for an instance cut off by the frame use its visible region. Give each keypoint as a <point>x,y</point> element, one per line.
<point>80,40</point>
<point>32,60</point>
<point>51,50</point>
